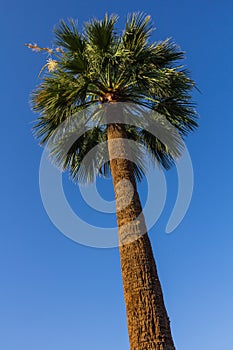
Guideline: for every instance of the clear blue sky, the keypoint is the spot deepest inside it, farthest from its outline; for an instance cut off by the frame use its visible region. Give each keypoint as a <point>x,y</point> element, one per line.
<point>56,294</point>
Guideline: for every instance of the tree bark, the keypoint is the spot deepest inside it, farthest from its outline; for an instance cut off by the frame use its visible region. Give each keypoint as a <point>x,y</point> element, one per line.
<point>148,322</point>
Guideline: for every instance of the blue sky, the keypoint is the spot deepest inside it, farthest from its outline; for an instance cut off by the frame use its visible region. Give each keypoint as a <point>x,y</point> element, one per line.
<point>57,294</point>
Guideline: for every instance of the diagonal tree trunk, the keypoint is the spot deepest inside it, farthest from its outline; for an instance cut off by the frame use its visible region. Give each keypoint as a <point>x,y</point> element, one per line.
<point>148,322</point>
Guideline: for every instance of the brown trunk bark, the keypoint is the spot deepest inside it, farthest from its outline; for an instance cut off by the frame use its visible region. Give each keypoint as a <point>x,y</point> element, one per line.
<point>148,322</point>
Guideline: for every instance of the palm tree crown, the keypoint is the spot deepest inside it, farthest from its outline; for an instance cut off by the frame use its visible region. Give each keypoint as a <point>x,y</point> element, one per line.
<point>100,65</point>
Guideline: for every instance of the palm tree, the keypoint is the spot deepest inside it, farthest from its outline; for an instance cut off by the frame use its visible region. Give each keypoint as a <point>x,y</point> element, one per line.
<point>102,67</point>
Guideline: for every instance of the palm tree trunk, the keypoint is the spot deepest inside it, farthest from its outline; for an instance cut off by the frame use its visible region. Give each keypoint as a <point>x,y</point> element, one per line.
<point>148,322</point>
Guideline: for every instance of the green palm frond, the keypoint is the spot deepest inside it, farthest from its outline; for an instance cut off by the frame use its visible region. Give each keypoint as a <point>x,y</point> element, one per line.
<point>137,32</point>
<point>100,35</point>
<point>179,113</point>
<point>67,37</point>
<point>164,54</point>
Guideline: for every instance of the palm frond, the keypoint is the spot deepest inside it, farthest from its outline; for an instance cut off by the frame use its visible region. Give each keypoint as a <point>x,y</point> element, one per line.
<point>67,36</point>
<point>137,32</point>
<point>164,54</point>
<point>100,34</point>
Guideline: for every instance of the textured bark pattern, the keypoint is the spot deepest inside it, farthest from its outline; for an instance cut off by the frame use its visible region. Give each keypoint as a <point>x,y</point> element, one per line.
<point>148,322</point>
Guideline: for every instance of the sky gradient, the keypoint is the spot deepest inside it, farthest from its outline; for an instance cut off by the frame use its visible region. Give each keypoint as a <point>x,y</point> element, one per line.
<point>57,294</point>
